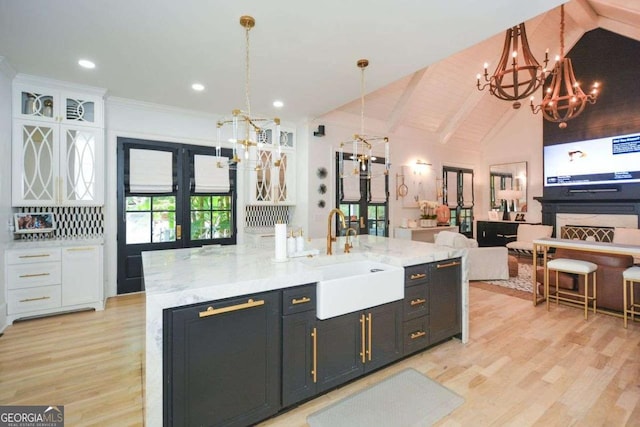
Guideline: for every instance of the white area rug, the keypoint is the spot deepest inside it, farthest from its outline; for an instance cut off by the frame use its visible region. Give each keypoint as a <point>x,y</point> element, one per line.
<point>521,283</point>
<point>406,399</point>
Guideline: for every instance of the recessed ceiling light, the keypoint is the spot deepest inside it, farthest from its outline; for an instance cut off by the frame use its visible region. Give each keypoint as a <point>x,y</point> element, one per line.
<point>85,63</point>
<point>278,104</point>
<point>197,87</point>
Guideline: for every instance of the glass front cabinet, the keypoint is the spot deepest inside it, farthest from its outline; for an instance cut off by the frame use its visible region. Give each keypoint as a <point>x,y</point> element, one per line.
<point>58,147</point>
<point>272,179</point>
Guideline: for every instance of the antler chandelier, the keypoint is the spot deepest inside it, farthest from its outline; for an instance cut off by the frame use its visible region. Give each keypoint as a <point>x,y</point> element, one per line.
<point>564,99</point>
<point>518,74</point>
<point>248,130</point>
<point>362,144</point>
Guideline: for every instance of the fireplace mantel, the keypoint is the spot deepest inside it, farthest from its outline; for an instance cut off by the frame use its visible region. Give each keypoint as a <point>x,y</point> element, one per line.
<point>553,206</point>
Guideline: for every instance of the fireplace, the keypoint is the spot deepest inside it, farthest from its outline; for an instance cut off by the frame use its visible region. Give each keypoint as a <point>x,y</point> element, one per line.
<point>612,213</point>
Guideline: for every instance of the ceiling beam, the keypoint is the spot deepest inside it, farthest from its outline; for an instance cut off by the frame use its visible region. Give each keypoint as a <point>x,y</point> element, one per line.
<point>584,15</point>
<point>398,112</point>
<point>621,28</point>
<point>461,114</point>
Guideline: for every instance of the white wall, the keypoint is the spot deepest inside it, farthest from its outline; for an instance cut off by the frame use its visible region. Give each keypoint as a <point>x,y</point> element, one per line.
<point>6,213</point>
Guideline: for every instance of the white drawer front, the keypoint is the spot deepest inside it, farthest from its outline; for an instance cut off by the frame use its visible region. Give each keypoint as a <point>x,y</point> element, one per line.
<point>21,276</point>
<point>28,256</point>
<point>33,299</point>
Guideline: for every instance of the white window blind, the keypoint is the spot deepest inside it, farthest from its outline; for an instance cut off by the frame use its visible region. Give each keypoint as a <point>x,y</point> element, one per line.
<point>378,189</point>
<point>150,171</point>
<point>351,188</point>
<point>452,188</point>
<point>467,189</point>
<point>211,174</point>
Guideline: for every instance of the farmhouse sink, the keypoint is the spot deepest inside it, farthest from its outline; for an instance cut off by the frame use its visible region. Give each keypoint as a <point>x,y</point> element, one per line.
<point>351,286</point>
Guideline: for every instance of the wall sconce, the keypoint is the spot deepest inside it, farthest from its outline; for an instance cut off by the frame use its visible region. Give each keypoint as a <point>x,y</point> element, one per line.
<point>420,168</point>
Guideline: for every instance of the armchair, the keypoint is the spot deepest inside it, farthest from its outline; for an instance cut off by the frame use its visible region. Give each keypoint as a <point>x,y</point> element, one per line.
<point>526,234</point>
<point>487,263</point>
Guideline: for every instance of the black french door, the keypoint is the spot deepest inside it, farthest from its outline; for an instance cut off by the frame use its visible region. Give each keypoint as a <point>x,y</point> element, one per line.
<point>177,218</point>
<point>363,215</point>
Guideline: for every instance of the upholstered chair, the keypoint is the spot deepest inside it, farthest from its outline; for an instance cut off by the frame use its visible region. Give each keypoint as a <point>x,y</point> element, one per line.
<point>526,234</point>
<point>488,263</point>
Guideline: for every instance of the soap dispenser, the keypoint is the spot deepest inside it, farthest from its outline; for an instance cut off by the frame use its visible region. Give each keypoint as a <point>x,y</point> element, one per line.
<point>300,242</point>
<point>291,244</point>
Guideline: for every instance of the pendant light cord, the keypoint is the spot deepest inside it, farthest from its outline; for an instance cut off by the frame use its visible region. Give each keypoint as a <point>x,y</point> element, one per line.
<point>246,82</point>
<point>362,101</point>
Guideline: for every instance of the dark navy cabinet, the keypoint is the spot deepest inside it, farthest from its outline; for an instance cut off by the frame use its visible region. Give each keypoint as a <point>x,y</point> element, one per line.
<point>222,361</point>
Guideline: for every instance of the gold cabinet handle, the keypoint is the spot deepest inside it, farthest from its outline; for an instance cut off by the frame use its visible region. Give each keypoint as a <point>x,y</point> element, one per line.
<point>370,351</point>
<point>81,249</point>
<point>418,301</point>
<point>178,232</point>
<point>213,311</point>
<point>418,276</point>
<point>362,226</point>
<point>34,256</point>
<point>302,300</point>
<point>34,275</point>
<point>314,372</point>
<point>418,334</point>
<point>362,343</point>
<point>450,264</point>
<point>34,299</point>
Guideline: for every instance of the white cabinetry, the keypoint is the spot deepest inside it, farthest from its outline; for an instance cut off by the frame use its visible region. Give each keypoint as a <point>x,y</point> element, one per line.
<point>272,180</point>
<point>50,280</point>
<point>58,146</point>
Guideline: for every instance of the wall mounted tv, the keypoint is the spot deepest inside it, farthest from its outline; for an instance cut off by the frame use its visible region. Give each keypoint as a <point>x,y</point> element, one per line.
<point>603,163</point>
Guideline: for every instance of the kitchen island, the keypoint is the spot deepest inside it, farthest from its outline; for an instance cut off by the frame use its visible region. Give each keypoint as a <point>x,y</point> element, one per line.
<point>175,278</point>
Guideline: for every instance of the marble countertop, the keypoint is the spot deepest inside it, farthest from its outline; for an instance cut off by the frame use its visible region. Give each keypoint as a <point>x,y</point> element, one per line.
<point>47,243</point>
<point>186,276</point>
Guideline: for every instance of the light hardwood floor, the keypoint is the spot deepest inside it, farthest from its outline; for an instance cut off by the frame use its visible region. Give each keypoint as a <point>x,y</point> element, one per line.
<point>522,366</point>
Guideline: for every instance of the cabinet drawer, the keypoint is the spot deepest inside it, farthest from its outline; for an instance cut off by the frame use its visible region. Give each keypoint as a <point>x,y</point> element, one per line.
<point>21,276</point>
<point>416,302</point>
<point>33,299</point>
<point>299,299</point>
<point>415,274</point>
<point>416,334</point>
<point>29,256</point>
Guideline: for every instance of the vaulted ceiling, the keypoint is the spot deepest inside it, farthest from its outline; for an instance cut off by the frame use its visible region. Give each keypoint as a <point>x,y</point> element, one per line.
<point>424,55</point>
<point>441,100</point>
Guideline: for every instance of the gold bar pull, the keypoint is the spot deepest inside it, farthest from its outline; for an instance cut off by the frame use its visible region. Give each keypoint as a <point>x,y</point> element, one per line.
<point>314,372</point>
<point>418,334</point>
<point>213,311</point>
<point>418,276</point>
<point>34,275</point>
<point>302,300</point>
<point>362,344</point>
<point>178,232</point>
<point>82,249</point>
<point>418,301</point>
<point>450,264</point>
<point>34,299</point>
<point>370,351</point>
<point>34,256</point>
<point>362,222</point>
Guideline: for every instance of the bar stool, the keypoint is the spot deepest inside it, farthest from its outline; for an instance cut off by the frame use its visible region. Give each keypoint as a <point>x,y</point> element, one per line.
<point>572,266</point>
<point>630,277</point>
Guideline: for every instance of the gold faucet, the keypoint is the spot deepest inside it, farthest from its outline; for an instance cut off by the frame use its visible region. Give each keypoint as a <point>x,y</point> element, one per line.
<point>348,245</point>
<point>331,238</point>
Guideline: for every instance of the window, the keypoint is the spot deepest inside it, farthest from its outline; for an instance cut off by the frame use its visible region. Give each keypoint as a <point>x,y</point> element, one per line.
<point>458,195</point>
<point>364,201</point>
<point>150,219</point>
<point>211,217</point>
